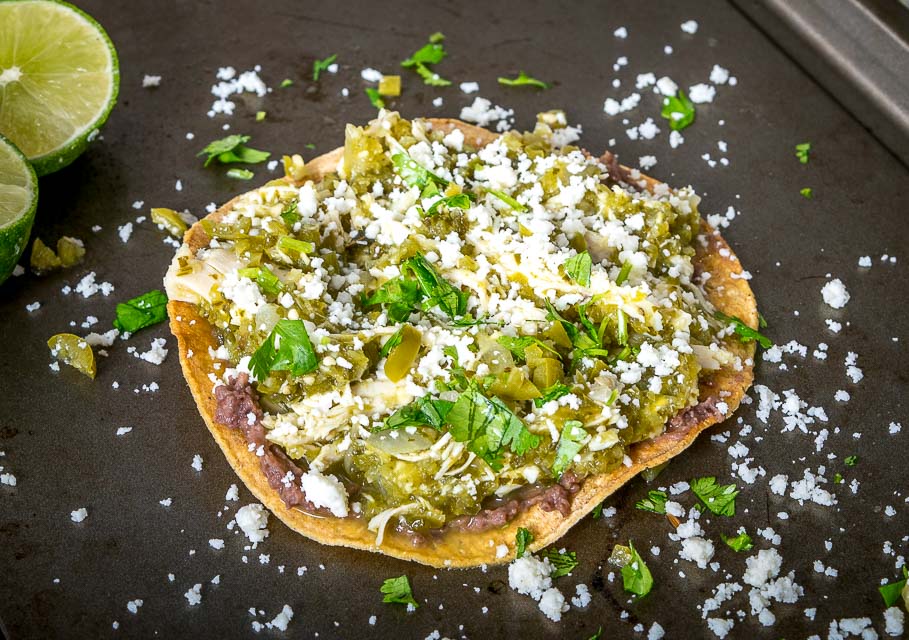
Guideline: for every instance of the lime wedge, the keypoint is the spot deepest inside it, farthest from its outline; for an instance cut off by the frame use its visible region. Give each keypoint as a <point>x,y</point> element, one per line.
<point>18,199</point>
<point>58,80</point>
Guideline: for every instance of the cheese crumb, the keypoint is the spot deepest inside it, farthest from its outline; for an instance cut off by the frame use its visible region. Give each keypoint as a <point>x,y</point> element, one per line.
<point>835,294</point>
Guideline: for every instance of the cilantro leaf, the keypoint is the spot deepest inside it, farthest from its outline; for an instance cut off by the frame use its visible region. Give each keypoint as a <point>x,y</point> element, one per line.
<point>636,577</point>
<point>430,77</point>
<point>402,296</point>
<point>431,53</point>
<point>521,540</point>
<point>374,98</point>
<point>623,273</point>
<point>806,192</point>
<point>438,291</point>
<point>892,591</point>
<point>578,268</point>
<point>489,427</point>
<point>507,199</point>
<point>563,563</point>
<point>290,214</point>
<point>392,342</point>
<point>457,201</point>
<point>554,392</point>
<point>745,333</point>
<point>597,511</point>
<point>413,174</point>
<point>720,499</point>
<point>232,149</point>
<point>140,312</point>
<point>802,150</point>
<point>678,110</point>
<point>524,80</point>
<point>268,282</point>
<point>741,542</point>
<point>570,443</point>
<point>318,66</point>
<point>851,461</point>
<point>425,411</point>
<point>286,82</point>
<point>655,502</point>
<point>398,590</point>
<point>568,325</point>
<point>287,348</point>
<point>518,345</point>
<point>597,635</point>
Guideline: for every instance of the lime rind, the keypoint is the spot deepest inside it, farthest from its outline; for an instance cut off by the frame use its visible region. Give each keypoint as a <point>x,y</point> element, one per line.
<point>54,121</point>
<point>18,202</point>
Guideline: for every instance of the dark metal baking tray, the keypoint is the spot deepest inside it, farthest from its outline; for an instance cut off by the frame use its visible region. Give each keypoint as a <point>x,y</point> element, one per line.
<point>58,430</point>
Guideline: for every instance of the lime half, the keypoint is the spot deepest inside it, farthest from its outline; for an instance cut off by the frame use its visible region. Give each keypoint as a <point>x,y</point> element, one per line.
<point>58,80</point>
<point>18,199</point>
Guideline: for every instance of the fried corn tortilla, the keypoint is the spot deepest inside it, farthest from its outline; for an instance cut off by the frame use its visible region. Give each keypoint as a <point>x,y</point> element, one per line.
<point>725,387</point>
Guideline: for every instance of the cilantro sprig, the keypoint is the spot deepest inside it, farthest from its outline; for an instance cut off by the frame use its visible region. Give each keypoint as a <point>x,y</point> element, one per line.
<point>655,502</point>
<point>720,499</point>
<point>563,563</point>
<point>678,110</point>
<point>398,590</point>
<point>523,539</point>
<point>233,149</point>
<point>140,312</point>
<point>318,66</point>
<point>433,52</point>
<point>456,201</point>
<point>524,80</point>
<point>554,392</point>
<point>745,333</point>
<point>578,268</point>
<point>287,348</point>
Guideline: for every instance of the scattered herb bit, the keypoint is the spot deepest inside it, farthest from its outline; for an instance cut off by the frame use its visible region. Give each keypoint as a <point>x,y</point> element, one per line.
<point>318,66</point>
<point>507,199</point>
<point>554,392</point>
<point>240,174</point>
<point>720,499</point>
<point>741,542</point>
<point>597,635</point>
<point>232,149</point>
<point>524,80</point>
<point>489,427</point>
<point>624,273</point>
<point>425,411</point>
<point>457,201</point>
<point>851,461</point>
<point>286,82</point>
<point>678,110</point>
<point>140,312</point>
<point>290,214</point>
<point>431,53</point>
<point>268,282</point>
<point>838,478</point>
<point>522,539</point>
<point>390,86</point>
<point>597,511</point>
<point>762,323</point>
<point>578,268</point>
<point>438,291</point>
<point>374,98</point>
<point>401,296</point>
<point>570,442</point>
<point>563,563</point>
<point>892,591</point>
<point>287,348</point>
<point>801,152</point>
<point>655,502</point>
<point>806,192</point>
<point>398,590</point>
<point>310,146</point>
<point>636,576</point>
<point>413,174</point>
<point>392,342</point>
<point>518,345</point>
<point>745,333</point>
<point>260,116</point>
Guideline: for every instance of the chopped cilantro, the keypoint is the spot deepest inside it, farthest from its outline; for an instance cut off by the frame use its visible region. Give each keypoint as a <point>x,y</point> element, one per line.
<point>741,542</point>
<point>260,116</point>
<point>392,342</point>
<point>268,282</point>
<point>431,53</point>
<point>636,576</point>
<point>801,152</point>
<point>578,268</point>
<point>892,591</point>
<point>720,499</point>
<point>438,291</point>
<point>745,333</point>
<point>318,66</point>
<point>289,213</point>
<point>521,540</point>
<point>597,511</point>
<point>570,442</point>
<point>402,296</point>
<point>398,590</point>
<point>654,502</point>
<point>240,174</point>
<point>518,345</point>
<point>507,199</point>
<point>310,146</point>
<point>287,348</point>
<point>524,80</point>
<point>563,563</point>
<point>678,110</point>
<point>838,478</point>
<point>554,392</point>
<point>623,273</point>
<point>425,411</point>
<point>140,312</point>
<point>232,149</point>
<point>597,635</point>
<point>457,201</point>
<point>414,175</point>
<point>806,192</point>
<point>851,461</point>
<point>374,98</point>
<point>286,82</point>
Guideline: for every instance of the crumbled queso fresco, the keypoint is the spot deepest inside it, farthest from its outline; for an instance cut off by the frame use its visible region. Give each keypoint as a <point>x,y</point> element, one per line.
<point>471,320</point>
